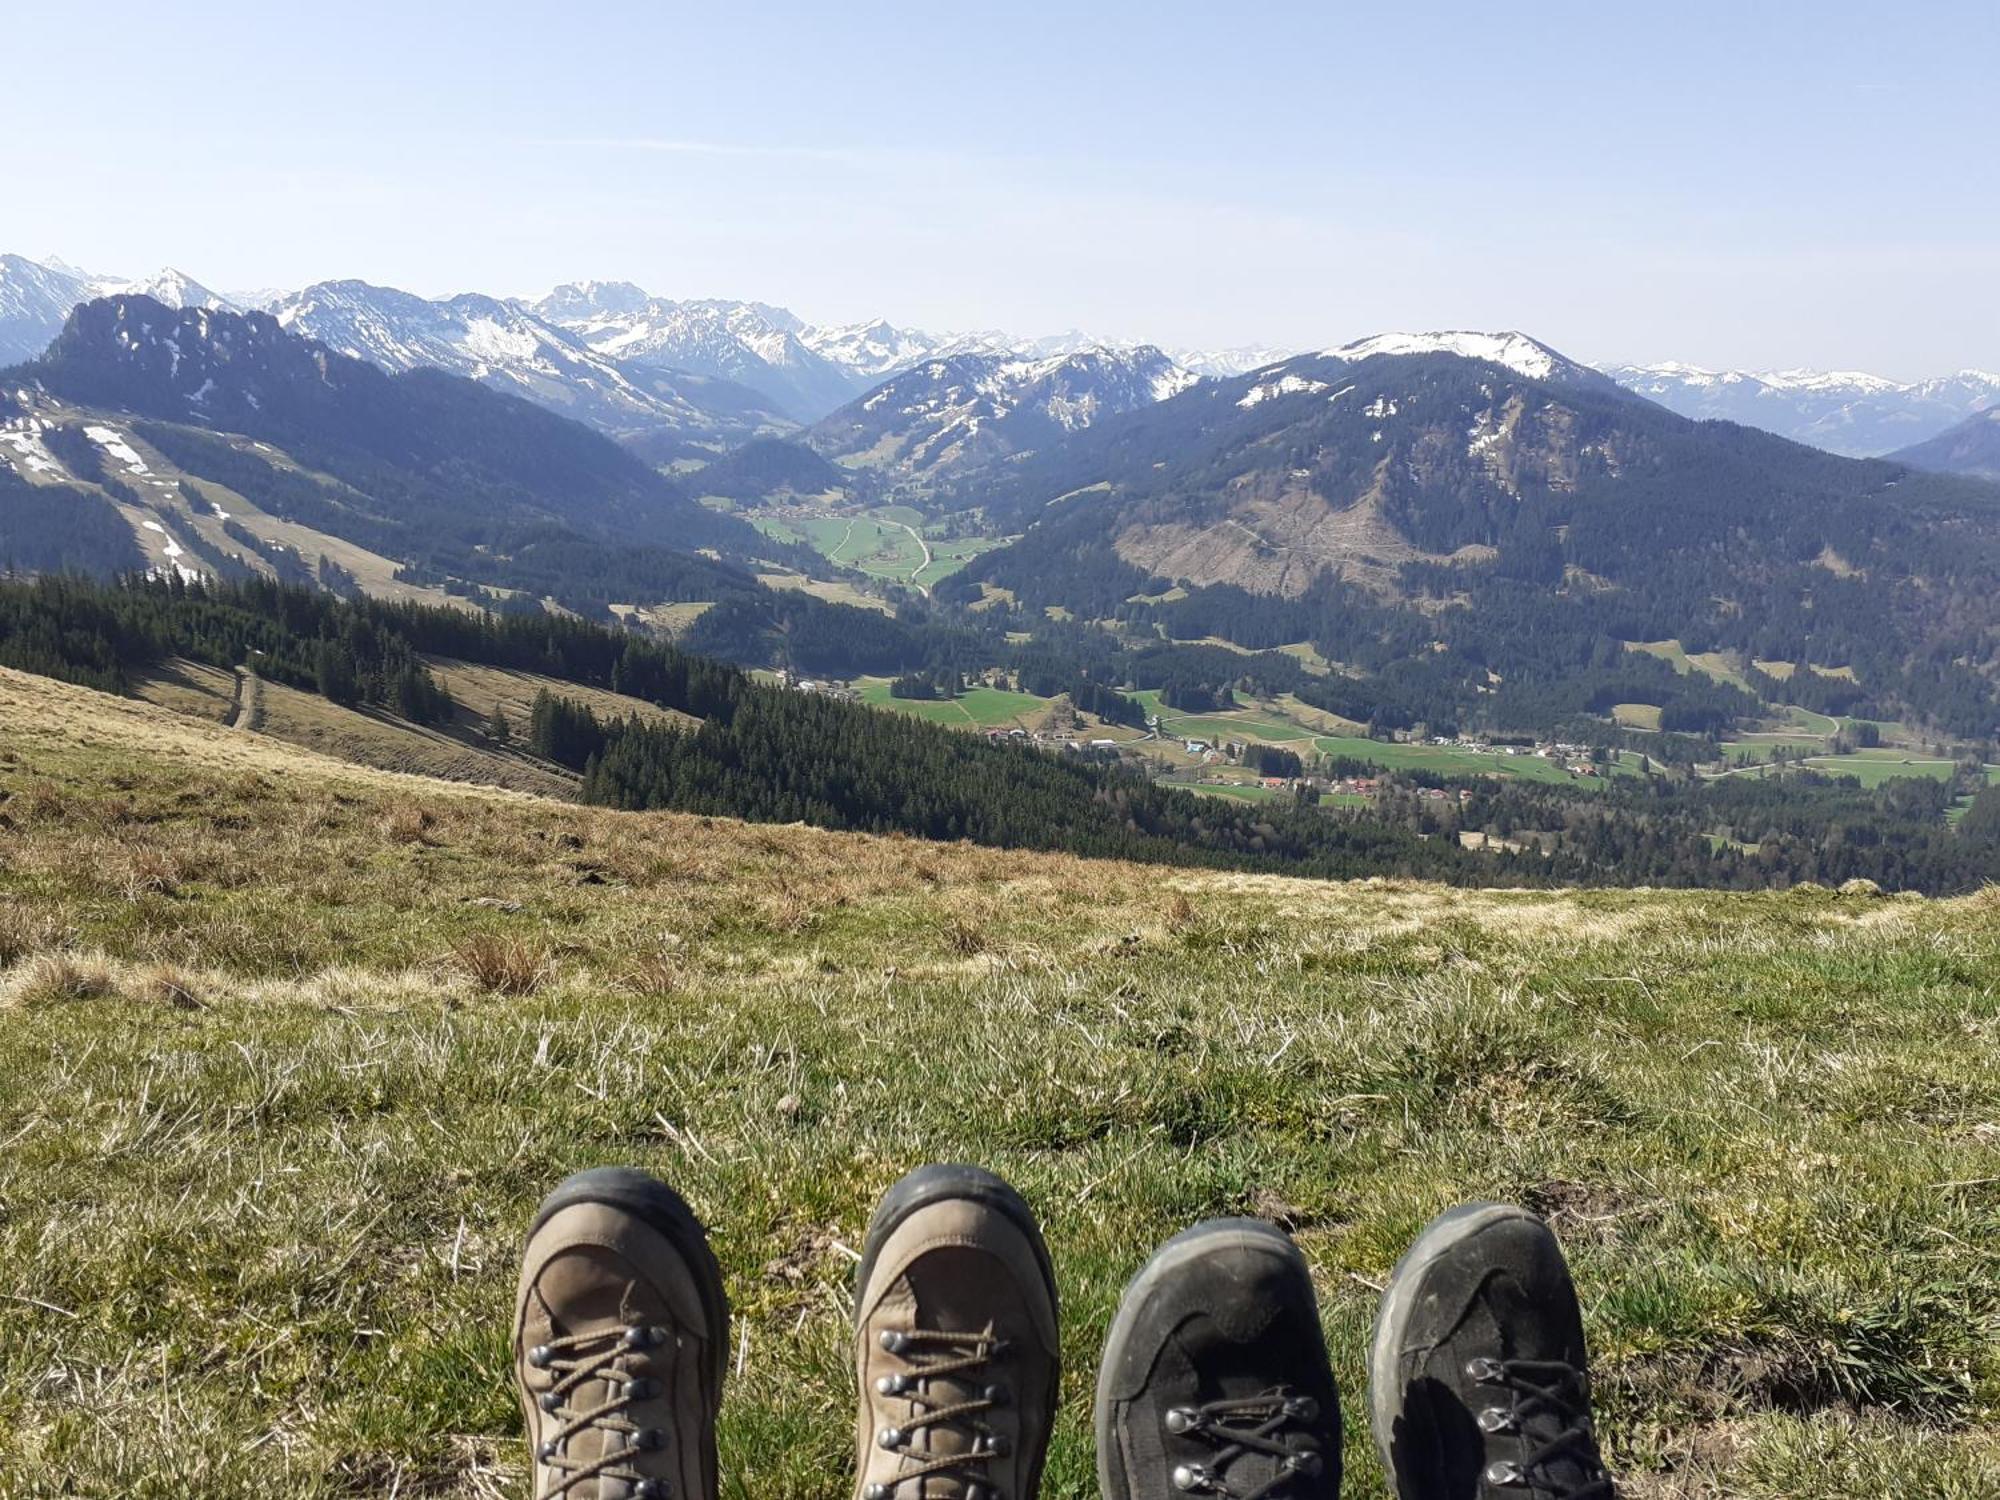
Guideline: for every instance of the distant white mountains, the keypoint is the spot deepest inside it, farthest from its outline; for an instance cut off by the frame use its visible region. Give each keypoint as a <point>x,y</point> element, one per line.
<point>689,378</point>
<point>1842,411</point>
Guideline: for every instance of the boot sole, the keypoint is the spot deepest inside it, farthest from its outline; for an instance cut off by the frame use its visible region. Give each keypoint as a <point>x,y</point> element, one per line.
<point>651,1201</point>
<point>1442,1235</point>
<point>944,1183</point>
<point>1189,1245</point>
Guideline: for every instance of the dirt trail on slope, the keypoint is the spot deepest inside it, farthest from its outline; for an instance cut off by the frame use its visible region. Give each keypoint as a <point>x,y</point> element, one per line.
<point>247,711</point>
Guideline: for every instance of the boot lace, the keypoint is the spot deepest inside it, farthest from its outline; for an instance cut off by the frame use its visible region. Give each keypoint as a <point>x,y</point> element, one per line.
<point>932,1355</point>
<point>1548,1403</point>
<point>1264,1425</point>
<point>614,1357</point>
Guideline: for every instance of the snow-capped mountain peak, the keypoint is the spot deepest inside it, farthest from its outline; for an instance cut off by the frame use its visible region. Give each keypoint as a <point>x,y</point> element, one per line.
<point>509,347</point>
<point>169,288</point>
<point>585,299</point>
<point>1516,351</point>
<point>1825,380</point>
<point>954,411</point>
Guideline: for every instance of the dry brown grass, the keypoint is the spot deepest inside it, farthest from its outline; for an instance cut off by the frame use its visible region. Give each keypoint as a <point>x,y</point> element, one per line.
<point>24,933</point>
<point>504,965</point>
<point>479,690</point>
<point>61,978</point>
<point>407,823</point>
<point>374,738</point>
<point>163,984</point>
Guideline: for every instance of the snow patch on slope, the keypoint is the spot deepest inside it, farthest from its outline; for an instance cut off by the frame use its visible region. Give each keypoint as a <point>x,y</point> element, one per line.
<point>1515,351</point>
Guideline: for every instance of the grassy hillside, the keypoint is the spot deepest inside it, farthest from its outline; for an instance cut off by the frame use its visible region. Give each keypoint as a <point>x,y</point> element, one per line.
<point>290,1048</point>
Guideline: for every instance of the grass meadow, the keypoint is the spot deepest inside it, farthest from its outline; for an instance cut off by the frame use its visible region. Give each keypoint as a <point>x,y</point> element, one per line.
<point>289,1050</point>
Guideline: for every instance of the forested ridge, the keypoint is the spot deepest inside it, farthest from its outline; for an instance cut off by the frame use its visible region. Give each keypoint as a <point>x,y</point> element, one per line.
<point>761,752</point>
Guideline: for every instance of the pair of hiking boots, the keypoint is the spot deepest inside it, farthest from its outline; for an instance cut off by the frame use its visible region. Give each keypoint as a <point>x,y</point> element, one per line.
<point>1214,1380</point>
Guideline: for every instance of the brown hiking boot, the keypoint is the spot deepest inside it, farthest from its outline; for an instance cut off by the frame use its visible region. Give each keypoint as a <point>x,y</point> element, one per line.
<point>621,1334</point>
<point>955,1342</point>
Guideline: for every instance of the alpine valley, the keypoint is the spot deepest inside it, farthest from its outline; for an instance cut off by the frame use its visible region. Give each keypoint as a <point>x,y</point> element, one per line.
<point>1420,586</point>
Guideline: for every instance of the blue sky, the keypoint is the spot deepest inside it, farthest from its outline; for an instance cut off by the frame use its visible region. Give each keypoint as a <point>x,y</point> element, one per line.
<point>1760,184</point>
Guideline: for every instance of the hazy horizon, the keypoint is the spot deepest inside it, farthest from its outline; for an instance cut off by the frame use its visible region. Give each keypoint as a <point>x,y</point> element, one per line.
<point>1719,188</point>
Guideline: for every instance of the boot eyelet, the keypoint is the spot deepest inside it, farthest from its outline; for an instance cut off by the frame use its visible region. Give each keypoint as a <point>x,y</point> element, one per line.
<point>644,1336</point>
<point>540,1356</point>
<point>877,1491</point>
<point>893,1341</point>
<point>1179,1419</point>
<point>890,1437</point>
<point>995,1394</point>
<point>648,1438</point>
<point>892,1385</point>
<point>1496,1419</point>
<point>546,1452</point>
<point>1503,1474</point>
<point>1302,1409</point>
<point>996,1444</point>
<point>550,1401</point>
<point>1306,1462</point>
<point>641,1388</point>
<point>1484,1370</point>
<point>652,1489</point>
<point>1190,1477</point>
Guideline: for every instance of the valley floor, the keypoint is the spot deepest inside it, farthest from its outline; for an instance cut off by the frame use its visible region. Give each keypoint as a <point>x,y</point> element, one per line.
<point>289,1049</point>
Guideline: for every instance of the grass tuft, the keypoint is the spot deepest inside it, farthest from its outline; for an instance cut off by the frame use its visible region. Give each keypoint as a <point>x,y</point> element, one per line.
<point>503,965</point>
<point>61,978</point>
<point>406,823</point>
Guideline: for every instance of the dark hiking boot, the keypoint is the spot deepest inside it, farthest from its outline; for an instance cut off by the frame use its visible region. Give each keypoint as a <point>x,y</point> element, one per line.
<point>1215,1379</point>
<point>954,1342</point>
<point>621,1333</point>
<point>1480,1382</point>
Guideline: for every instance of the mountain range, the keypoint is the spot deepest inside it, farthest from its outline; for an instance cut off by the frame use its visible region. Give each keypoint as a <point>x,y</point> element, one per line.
<point>1469,523</point>
<point>1846,412</point>
<point>681,381</point>
<point>677,381</point>
<point>228,444</point>
<point>956,412</point>
<point>1493,507</point>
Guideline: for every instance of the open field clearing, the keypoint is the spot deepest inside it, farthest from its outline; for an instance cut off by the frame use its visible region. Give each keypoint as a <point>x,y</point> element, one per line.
<point>983,706</point>
<point>291,1049</point>
<point>1635,715</point>
<point>1454,760</point>
<point>832,590</point>
<point>1250,721</point>
<point>886,544</point>
<point>480,690</point>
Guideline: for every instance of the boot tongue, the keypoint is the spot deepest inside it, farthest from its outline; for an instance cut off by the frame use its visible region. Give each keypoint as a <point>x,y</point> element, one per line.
<point>951,1296</point>
<point>1521,1330</point>
<point>590,1290</point>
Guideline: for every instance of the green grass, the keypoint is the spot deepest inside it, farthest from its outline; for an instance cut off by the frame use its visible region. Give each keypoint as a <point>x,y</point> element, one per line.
<point>1761,747</point>
<point>1251,721</point>
<point>1245,792</point>
<point>1263,722</point>
<point>1446,759</point>
<point>273,1130</point>
<point>881,543</point>
<point>1873,770</point>
<point>984,706</point>
<point>1636,715</point>
<point>947,557</point>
